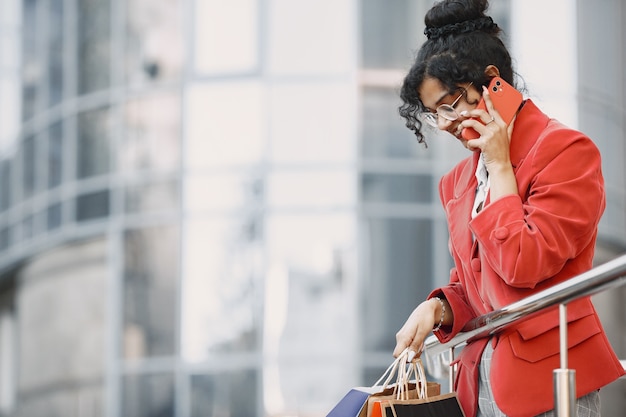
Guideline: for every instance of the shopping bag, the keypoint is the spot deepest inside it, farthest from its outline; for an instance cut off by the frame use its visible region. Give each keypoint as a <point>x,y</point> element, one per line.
<point>355,402</point>
<point>418,403</point>
<point>405,388</point>
<point>438,406</point>
<point>433,389</point>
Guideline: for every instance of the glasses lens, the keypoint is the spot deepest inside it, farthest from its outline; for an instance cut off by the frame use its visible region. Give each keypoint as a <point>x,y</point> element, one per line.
<point>447,112</point>
<point>430,118</point>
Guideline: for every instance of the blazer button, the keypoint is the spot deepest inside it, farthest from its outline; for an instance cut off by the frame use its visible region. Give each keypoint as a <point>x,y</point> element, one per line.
<point>476,264</point>
<point>501,233</point>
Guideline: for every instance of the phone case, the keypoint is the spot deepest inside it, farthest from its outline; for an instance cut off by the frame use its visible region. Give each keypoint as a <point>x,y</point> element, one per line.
<point>506,99</point>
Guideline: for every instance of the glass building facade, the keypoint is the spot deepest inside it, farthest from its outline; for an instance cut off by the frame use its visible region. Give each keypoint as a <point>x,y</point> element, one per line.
<point>212,208</point>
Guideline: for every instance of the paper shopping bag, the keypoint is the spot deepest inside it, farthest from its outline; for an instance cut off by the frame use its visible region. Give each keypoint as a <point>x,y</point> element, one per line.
<point>433,389</point>
<point>439,406</point>
<point>405,389</point>
<point>354,403</point>
<point>424,405</point>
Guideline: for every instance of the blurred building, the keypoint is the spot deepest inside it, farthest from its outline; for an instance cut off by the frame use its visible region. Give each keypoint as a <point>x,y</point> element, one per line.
<point>212,208</point>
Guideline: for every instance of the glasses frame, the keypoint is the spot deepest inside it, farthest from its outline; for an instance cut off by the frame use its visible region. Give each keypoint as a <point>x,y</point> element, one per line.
<point>447,111</point>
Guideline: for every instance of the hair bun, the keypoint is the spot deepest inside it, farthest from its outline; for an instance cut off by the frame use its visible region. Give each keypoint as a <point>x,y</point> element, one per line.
<point>484,24</point>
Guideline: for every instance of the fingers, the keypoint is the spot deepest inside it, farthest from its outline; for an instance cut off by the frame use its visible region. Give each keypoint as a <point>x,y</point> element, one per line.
<point>416,329</point>
<point>414,344</point>
<point>414,353</point>
<point>487,122</point>
<point>487,115</point>
<point>403,341</point>
<point>488,102</point>
<point>406,337</point>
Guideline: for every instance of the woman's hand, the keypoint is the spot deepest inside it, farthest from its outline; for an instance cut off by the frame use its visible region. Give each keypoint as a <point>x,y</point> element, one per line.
<point>494,145</point>
<point>419,324</point>
<point>495,135</point>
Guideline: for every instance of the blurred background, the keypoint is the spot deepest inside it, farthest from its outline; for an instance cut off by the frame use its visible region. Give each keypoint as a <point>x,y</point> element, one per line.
<point>212,208</point>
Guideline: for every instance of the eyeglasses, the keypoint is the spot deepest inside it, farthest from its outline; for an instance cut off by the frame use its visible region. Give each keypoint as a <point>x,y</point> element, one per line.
<point>446,111</point>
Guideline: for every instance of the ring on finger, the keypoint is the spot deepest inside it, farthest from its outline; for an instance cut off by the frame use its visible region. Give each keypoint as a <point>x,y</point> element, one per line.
<point>492,119</point>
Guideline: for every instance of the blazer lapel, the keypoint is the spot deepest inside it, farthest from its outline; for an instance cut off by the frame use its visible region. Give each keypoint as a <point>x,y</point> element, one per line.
<point>459,209</point>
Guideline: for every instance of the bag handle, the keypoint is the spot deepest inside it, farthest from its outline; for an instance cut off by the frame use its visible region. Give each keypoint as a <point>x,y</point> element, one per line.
<point>421,376</point>
<point>414,368</point>
<point>402,382</point>
<point>391,370</point>
<point>403,376</point>
<point>393,409</point>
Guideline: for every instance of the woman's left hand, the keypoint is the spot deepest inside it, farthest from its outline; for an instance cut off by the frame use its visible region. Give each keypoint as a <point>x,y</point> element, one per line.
<point>494,144</point>
<point>495,135</point>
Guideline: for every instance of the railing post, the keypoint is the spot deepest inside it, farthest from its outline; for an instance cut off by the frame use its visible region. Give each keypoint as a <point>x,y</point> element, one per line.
<point>452,373</point>
<point>564,379</point>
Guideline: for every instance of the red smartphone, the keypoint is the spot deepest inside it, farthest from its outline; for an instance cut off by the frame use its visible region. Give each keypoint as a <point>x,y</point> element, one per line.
<point>506,99</point>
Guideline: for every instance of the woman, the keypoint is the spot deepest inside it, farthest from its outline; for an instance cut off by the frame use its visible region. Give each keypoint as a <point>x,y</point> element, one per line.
<point>528,224</point>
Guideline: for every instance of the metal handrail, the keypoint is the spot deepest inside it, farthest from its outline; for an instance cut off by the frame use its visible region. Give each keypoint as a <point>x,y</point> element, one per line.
<point>603,277</point>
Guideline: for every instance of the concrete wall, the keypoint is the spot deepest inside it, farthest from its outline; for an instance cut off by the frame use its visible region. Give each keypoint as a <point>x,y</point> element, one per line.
<point>60,308</point>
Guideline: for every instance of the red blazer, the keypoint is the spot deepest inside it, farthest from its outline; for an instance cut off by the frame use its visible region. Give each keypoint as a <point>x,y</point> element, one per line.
<point>519,245</point>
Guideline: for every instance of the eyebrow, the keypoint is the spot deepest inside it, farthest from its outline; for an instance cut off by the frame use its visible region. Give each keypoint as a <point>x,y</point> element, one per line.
<point>438,102</point>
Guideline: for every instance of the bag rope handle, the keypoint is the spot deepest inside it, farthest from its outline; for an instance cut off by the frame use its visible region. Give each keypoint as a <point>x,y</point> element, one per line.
<point>391,370</point>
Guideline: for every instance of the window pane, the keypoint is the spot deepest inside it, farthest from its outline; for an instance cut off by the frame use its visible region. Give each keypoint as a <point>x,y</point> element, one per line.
<point>237,191</point>
<point>221,291</point>
<point>10,102</point>
<point>232,394</point>
<point>54,216</point>
<point>152,197</point>
<point>28,227</point>
<point>384,133</point>
<point>310,308</point>
<point>311,37</point>
<point>154,51</point>
<point>93,45</point>
<point>9,12</point>
<point>148,395</point>
<point>92,206</point>
<point>6,184</point>
<point>399,256</point>
<point>55,155</point>
<point>12,70</point>
<point>318,129</point>
<point>29,166</point>
<point>55,52</point>
<point>226,36</point>
<point>153,134</point>
<point>221,131</point>
<point>396,188</point>
<point>150,292</point>
<point>390,32</point>
<point>93,143</point>
<point>6,238</point>
<point>310,189</point>
<point>31,58</point>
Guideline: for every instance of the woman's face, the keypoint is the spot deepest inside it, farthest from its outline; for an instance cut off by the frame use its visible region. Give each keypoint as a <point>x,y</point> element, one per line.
<point>433,94</point>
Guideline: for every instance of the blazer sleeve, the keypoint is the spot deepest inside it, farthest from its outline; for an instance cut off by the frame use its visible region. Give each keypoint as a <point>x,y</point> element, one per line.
<point>461,308</point>
<point>529,237</point>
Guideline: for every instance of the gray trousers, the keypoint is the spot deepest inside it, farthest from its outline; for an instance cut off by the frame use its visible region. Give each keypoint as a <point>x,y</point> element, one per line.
<point>587,406</point>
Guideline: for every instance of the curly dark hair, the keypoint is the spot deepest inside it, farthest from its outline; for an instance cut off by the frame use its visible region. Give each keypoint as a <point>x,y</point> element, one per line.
<point>462,42</point>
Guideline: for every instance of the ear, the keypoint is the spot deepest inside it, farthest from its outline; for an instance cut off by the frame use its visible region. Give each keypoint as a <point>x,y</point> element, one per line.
<point>492,71</point>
